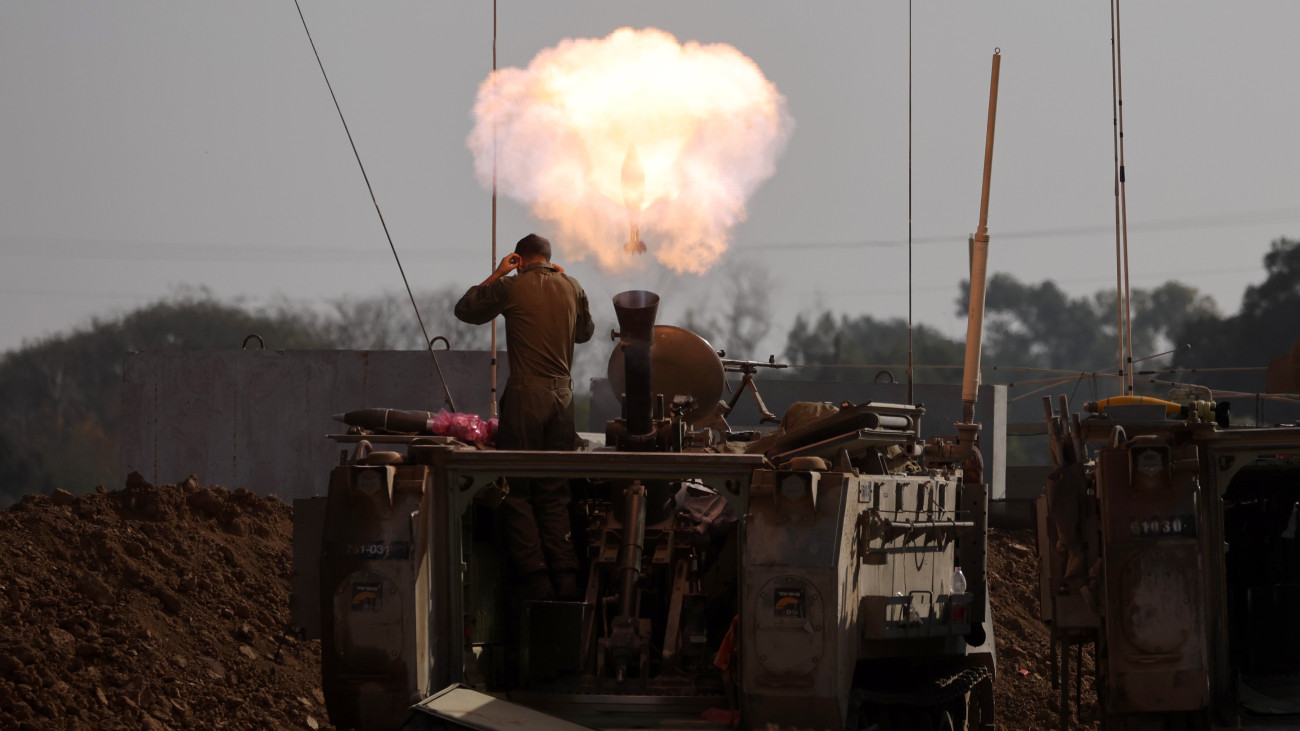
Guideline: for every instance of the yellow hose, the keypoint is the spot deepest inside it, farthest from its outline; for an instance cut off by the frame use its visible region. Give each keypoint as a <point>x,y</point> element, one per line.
<point>1096,407</point>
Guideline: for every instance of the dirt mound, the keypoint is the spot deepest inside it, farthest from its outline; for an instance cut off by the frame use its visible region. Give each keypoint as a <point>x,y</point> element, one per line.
<point>1026,700</point>
<point>152,607</point>
<point>167,607</point>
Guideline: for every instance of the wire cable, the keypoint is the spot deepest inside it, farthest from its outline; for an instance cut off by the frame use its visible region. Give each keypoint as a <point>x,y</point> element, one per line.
<point>49,247</point>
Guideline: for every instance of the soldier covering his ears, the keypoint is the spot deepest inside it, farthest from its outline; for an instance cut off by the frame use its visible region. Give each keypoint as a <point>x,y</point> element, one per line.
<point>546,313</point>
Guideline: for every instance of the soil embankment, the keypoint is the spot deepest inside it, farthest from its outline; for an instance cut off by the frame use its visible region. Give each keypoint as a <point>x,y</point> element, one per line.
<point>149,608</point>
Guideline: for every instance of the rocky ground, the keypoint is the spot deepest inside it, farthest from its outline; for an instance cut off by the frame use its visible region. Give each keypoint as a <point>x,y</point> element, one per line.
<point>167,607</point>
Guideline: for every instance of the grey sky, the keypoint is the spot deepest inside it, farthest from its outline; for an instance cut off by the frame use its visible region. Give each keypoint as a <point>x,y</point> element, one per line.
<point>150,145</point>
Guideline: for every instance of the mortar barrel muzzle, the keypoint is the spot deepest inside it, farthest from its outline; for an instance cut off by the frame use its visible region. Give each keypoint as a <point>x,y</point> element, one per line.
<point>636,311</point>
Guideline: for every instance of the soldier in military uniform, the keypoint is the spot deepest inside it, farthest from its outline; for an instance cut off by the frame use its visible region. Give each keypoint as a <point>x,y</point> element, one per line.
<point>546,313</point>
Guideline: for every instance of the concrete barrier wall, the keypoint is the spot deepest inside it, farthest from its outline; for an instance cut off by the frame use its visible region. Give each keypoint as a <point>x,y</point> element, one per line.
<point>258,418</point>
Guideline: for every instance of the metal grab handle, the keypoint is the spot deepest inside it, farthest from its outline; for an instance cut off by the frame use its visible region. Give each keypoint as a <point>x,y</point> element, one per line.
<point>928,524</point>
<point>261,344</point>
<point>444,340</point>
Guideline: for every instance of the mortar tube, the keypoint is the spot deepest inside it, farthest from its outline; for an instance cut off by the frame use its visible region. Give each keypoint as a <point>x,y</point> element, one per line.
<point>636,359</point>
<point>636,311</point>
<point>629,555</point>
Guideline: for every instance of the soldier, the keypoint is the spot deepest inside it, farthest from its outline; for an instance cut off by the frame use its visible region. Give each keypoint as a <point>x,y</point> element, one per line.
<point>546,313</point>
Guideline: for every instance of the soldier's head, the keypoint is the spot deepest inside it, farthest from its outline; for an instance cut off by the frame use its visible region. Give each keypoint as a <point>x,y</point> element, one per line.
<point>532,248</point>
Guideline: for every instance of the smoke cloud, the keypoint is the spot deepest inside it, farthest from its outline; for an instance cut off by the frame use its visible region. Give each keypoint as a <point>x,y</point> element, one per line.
<point>704,124</point>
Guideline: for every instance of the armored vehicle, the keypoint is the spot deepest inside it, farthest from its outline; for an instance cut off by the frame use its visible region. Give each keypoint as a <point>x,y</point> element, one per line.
<point>1167,539</point>
<point>808,579</point>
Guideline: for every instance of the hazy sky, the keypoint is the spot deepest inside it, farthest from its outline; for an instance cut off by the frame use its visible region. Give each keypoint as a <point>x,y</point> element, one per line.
<point>146,146</point>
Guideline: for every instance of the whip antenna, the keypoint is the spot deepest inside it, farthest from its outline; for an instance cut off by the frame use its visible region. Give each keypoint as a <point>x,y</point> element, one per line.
<point>909,202</point>
<point>493,262</point>
<point>1119,258</point>
<point>1121,205</point>
<point>428,343</point>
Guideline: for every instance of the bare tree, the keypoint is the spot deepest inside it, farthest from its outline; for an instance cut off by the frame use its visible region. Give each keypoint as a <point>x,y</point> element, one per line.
<point>388,322</point>
<point>744,316</point>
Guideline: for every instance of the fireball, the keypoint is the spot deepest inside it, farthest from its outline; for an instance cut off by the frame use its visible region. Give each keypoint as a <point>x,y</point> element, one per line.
<point>632,142</point>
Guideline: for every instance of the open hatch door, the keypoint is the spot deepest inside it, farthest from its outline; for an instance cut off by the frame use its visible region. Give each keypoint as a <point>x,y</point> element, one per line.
<point>478,710</point>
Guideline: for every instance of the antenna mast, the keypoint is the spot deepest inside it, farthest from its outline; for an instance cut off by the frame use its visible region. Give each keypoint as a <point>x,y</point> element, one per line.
<point>979,255</point>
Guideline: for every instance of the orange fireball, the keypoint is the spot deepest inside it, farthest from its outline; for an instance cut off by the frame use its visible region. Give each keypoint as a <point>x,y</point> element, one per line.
<point>632,140</point>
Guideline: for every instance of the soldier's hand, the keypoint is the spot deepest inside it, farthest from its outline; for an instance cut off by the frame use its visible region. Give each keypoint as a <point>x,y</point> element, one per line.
<point>508,263</point>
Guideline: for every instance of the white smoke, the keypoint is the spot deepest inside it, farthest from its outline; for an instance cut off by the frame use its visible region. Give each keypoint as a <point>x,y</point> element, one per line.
<point>706,124</point>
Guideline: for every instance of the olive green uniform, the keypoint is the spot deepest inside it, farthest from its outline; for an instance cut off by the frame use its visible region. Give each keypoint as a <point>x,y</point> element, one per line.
<point>546,312</point>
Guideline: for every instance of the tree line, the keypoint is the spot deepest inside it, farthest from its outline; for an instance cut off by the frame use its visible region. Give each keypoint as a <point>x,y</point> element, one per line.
<point>60,396</point>
<point>1040,326</point>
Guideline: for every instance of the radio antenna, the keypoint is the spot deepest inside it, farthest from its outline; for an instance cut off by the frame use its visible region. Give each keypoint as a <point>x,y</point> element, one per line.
<point>427,342</point>
<point>493,262</point>
<point>910,400</point>
<point>1124,314</point>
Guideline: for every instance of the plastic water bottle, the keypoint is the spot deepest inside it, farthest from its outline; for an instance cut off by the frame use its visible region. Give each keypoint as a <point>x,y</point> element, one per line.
<point>958,581</point>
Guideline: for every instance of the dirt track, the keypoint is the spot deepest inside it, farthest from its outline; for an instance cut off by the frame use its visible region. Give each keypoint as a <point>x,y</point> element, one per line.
<point>167,607</point>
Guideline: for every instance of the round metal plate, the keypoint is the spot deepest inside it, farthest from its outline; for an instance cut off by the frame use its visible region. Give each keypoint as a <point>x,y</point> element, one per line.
<point>682,364</point>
